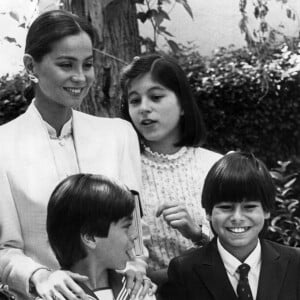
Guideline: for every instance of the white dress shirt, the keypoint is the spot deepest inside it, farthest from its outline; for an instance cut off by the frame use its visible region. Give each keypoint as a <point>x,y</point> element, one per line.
<point>231,264</point>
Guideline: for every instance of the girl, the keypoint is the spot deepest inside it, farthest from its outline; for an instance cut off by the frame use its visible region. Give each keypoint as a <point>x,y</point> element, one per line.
<point>158,101</point>
<point>49,142</point>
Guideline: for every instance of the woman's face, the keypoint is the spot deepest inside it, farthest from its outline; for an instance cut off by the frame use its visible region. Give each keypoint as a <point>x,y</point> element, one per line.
<point>155,111</point>
<point>66,74</point>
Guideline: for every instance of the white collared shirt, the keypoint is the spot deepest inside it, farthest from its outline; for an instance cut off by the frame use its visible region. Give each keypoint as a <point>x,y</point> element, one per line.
<point>231,264</point>
<point>63,148</point>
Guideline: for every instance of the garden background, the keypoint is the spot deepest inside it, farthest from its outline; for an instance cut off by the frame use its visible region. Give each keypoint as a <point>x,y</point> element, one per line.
<point>242,59</point>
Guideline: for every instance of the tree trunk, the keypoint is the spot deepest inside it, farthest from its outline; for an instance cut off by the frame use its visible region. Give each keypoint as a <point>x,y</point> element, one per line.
<point>116,25</point>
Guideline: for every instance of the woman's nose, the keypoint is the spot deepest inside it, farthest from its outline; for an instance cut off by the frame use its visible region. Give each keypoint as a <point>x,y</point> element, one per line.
<point>78,76</point>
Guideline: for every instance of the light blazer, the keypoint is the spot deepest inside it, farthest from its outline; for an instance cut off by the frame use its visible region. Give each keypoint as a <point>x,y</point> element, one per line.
<point>200,275</point>
<point>28,176</point>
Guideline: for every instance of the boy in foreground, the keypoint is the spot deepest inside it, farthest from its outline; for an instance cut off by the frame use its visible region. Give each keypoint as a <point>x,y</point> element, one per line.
<point>238,196</point>
<point>89,225</point>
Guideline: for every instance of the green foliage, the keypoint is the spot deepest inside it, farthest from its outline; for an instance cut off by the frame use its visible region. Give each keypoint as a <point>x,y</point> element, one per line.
<point>155,13</point>
<point>285,221</point>
<point>248,104</point>
<point>12,99</point>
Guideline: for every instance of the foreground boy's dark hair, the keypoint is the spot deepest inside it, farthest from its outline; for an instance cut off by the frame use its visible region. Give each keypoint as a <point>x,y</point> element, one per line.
<point>237,177</point>
<point>83,204</point>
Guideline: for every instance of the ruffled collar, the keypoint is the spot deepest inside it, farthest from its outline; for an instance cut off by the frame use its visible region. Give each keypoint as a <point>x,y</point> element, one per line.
<point>160,156</point>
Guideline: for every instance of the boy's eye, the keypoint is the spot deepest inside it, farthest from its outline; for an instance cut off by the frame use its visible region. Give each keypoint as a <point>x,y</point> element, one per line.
<point>225,206</point>
<point>250,206</point>
<point>156,97</point>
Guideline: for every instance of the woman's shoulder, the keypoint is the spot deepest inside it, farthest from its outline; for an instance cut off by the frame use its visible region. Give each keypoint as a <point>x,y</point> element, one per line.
<point>103,122</point>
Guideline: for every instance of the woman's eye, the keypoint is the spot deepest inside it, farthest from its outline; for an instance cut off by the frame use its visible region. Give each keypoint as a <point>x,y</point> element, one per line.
<point>88,65</point>
<point>65,65</point>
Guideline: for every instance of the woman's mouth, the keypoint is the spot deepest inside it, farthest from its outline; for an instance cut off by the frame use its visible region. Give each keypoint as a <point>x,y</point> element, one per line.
<point>74,91</point>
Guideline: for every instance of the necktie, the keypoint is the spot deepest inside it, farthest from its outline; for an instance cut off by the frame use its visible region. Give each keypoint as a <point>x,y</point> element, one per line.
<point>243,287</point>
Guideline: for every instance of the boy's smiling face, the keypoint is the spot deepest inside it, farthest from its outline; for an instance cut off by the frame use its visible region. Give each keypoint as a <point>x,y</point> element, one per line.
<point>238,225</point>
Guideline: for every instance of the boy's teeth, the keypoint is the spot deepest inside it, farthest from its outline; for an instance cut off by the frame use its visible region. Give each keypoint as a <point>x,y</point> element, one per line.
<point>238,229</point>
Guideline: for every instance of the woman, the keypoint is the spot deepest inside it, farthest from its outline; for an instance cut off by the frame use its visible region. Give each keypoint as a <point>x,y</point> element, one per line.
<point>46,144</point>
<point>158,101</point>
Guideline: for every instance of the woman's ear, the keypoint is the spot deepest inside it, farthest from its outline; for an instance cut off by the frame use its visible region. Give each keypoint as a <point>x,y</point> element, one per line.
<point>29,64</point>
<point>88,240</point>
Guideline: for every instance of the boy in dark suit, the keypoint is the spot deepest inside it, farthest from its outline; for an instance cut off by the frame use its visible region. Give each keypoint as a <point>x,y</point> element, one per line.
<point>238,196</point>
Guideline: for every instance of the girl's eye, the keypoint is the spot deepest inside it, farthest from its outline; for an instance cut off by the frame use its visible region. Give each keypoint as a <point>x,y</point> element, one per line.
<point>133,101</point>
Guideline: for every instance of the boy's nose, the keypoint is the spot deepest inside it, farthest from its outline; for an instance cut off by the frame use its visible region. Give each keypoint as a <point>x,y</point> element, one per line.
<point>145,107</point>
<point>237,214</point>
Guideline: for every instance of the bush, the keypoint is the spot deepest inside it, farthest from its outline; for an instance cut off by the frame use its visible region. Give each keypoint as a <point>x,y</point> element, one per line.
<point>285,220</point>
<point>12,97</point>
<point>247,103</point>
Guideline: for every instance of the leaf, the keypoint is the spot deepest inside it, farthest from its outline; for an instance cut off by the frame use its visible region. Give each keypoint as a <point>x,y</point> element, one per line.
<point>23,25</point>
<point>174,46</point>
<point>142,16</point>
<point>160,16</point>
<point>10,39</point>
<point>162,29</point>
<point>186,6</point>
<point>14,15</point>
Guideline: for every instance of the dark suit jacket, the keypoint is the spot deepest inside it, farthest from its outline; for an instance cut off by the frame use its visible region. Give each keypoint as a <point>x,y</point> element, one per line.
<point>200,275</point>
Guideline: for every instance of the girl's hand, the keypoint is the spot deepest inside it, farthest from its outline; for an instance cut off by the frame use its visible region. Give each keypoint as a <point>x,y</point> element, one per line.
<point>178,217</point>
<point>58,285</point>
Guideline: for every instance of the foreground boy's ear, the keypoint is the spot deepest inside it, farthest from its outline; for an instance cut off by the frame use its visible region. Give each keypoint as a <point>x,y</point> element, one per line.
<point>88,240</point>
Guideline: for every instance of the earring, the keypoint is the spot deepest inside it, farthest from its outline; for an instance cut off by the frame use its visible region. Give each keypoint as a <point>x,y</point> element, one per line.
<point>33,78</point>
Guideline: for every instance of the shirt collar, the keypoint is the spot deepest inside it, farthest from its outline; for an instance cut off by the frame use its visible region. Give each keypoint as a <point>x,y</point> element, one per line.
<point>65,131</point>
<point>231,263</point>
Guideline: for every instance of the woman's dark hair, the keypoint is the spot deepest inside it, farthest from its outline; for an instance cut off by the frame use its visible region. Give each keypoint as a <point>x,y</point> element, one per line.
<point>84,204</point>
<point>168,73</point>
<point>52,26</point>
<point>237,177</point>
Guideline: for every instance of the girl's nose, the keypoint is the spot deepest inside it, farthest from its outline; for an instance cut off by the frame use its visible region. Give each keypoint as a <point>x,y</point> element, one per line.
<point>145,106</point>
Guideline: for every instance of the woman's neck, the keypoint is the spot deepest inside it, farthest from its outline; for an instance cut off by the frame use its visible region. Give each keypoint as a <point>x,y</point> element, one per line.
<point>98,277</point>
<point>53,113</point>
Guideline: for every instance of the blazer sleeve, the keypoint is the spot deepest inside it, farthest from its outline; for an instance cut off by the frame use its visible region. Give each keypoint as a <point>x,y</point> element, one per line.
<point>174,288</point>
<point>130,169</point>
<point>15,267</point>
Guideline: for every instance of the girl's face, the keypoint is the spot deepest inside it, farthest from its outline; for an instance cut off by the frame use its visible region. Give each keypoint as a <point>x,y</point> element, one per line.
<point>66,73</point>
<point>155,112</point>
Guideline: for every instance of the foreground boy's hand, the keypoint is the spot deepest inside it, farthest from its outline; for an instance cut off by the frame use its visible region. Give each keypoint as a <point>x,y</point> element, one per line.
<point>58,285</point>
<point>178,217</point>
<point>139,285</point>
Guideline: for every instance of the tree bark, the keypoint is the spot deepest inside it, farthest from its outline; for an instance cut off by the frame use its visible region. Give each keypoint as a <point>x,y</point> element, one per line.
<point>116,24</point>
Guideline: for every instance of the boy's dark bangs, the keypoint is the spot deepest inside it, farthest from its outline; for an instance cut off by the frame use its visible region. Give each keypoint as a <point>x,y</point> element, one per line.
<point>240,184</point>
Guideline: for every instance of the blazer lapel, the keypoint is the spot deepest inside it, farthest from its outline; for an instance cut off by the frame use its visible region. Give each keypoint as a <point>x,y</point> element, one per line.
<point>212,272</point>
<point>273,270</point>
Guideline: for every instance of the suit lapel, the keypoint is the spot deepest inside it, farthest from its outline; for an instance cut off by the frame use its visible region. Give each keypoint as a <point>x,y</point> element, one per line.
<point>212,272</point>
<point>272,272</point>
